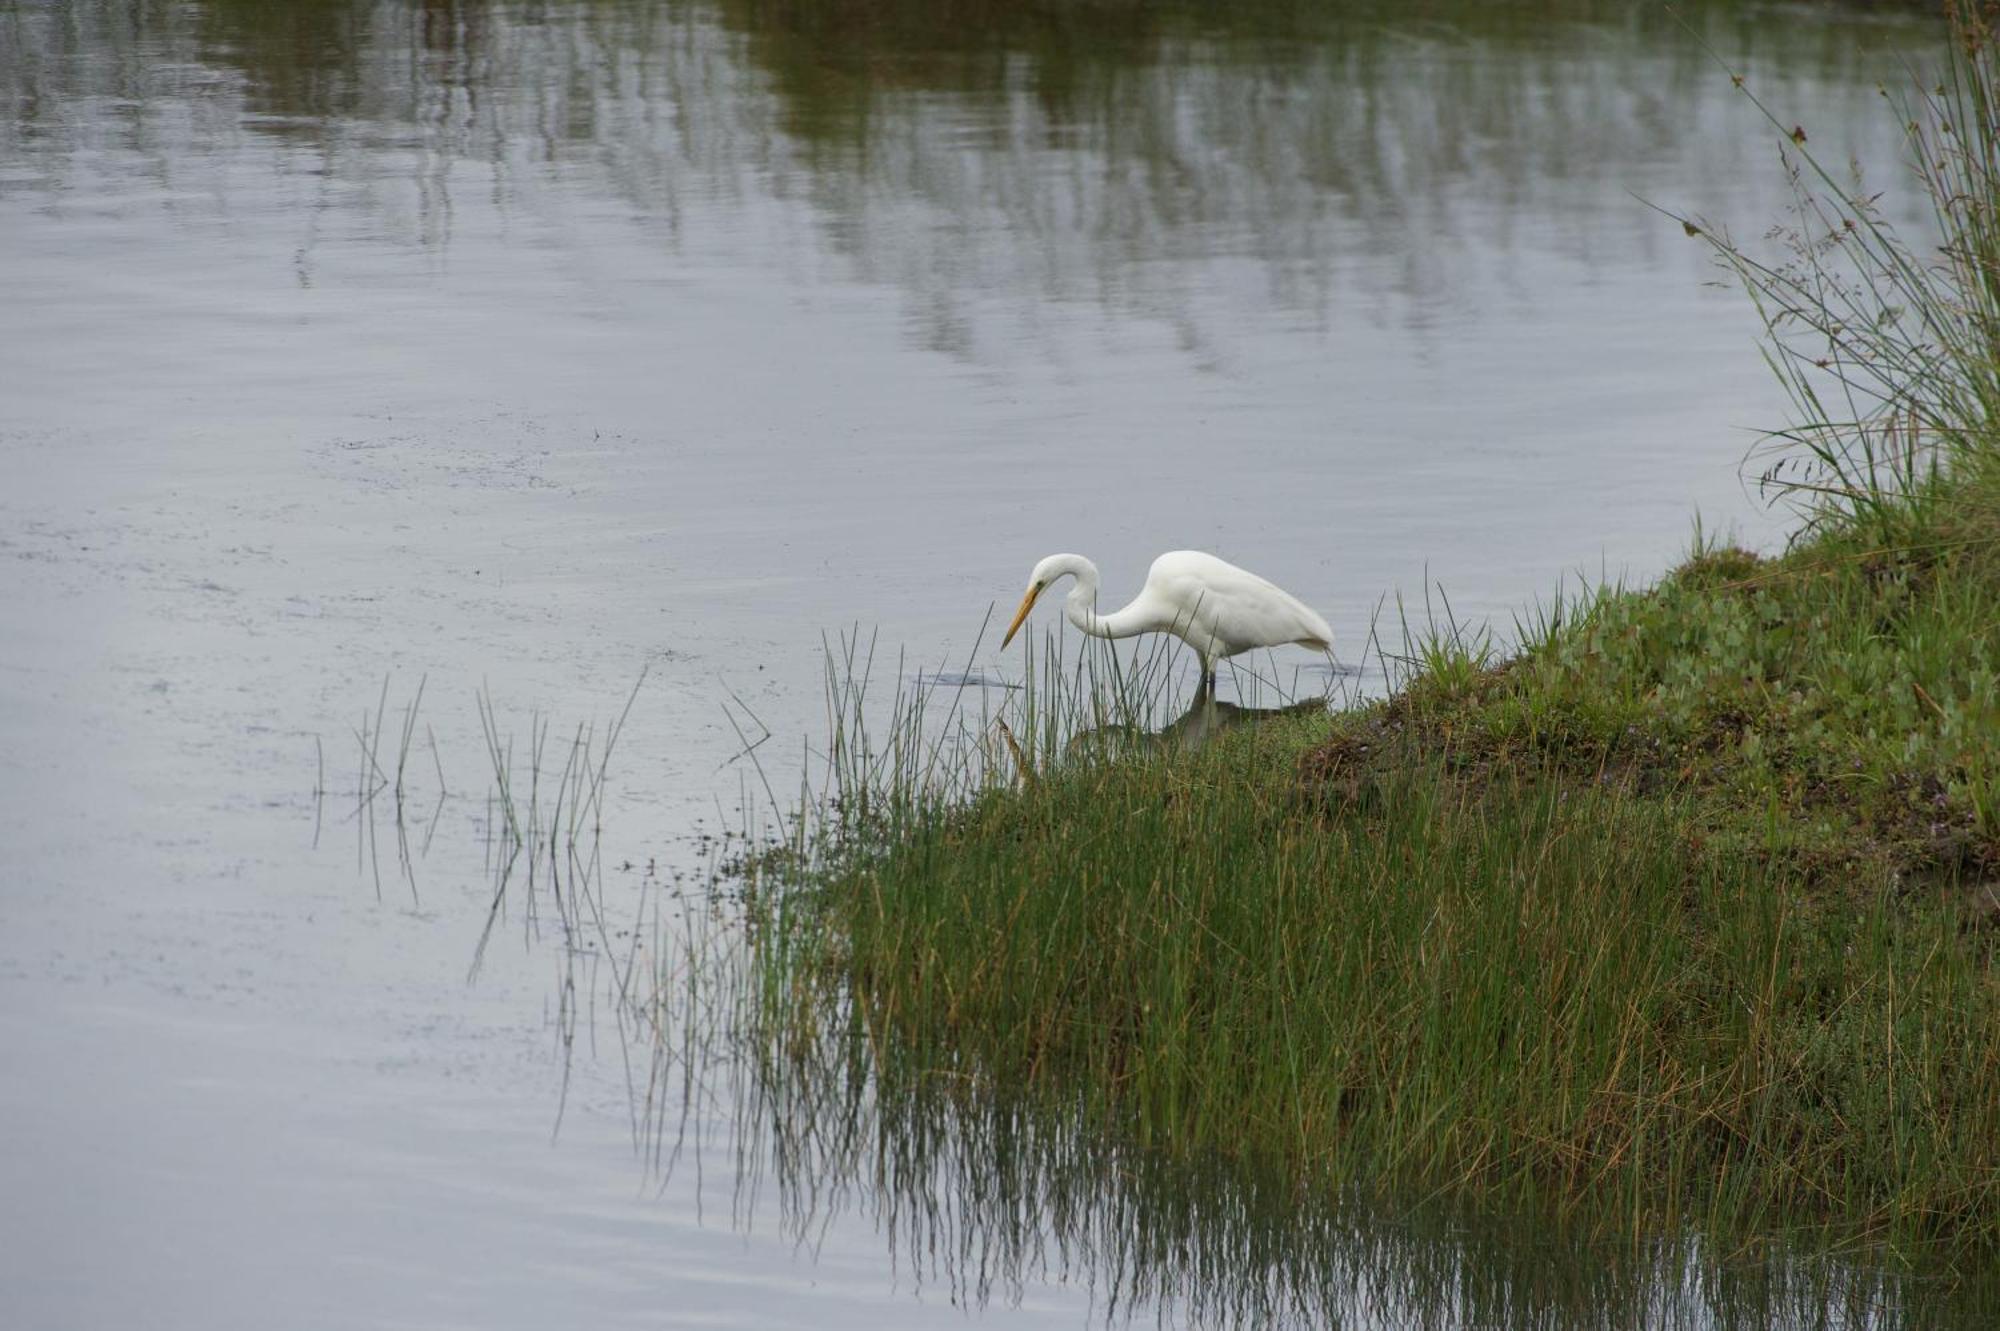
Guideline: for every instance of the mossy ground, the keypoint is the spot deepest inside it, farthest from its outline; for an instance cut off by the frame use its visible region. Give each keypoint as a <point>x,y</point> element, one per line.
<point>1836,708</point>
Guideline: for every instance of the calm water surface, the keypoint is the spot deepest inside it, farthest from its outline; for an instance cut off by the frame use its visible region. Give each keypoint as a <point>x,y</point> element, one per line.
<point>528,346</point>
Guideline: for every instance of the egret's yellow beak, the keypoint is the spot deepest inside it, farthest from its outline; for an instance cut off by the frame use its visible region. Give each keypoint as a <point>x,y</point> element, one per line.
<point>1027,604</point>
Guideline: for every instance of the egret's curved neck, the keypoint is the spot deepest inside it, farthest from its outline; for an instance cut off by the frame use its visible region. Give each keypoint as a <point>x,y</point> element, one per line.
<point>1081,607</point>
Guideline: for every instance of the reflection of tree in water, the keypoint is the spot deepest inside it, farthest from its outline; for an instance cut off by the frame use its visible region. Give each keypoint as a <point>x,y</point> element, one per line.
<point>1170,159</point>
<point>982,1196</point>
<point>995,161</point>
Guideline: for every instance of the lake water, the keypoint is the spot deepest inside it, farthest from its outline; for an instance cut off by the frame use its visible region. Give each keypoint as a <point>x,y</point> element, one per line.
<point>527,347</point>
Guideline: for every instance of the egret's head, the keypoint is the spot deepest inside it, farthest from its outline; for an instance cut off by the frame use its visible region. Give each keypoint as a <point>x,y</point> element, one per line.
<point>1046,572</point>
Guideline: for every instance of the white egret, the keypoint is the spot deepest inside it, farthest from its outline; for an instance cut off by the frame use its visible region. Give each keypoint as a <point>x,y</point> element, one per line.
<point>1213,606</point>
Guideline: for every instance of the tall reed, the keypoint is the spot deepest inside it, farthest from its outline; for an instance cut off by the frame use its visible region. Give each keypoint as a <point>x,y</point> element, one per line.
<point>1888,347</point>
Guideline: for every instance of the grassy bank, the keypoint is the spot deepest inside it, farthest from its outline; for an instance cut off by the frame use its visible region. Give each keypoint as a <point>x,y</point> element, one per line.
<point>1684,912</point>
<point>1524,987</point>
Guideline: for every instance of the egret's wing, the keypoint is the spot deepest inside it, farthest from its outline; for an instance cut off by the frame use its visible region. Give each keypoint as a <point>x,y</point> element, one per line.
<point>1237,606</point>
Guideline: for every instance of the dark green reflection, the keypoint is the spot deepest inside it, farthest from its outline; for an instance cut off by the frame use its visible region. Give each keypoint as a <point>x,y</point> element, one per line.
<point>981,1195</point>
<point>834,58</point>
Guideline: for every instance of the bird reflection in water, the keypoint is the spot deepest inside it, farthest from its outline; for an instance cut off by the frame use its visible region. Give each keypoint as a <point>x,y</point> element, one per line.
<point>1206,717</point>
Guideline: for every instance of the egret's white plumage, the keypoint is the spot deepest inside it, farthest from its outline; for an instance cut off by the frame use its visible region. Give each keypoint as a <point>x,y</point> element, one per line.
<point>1215,607</point>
